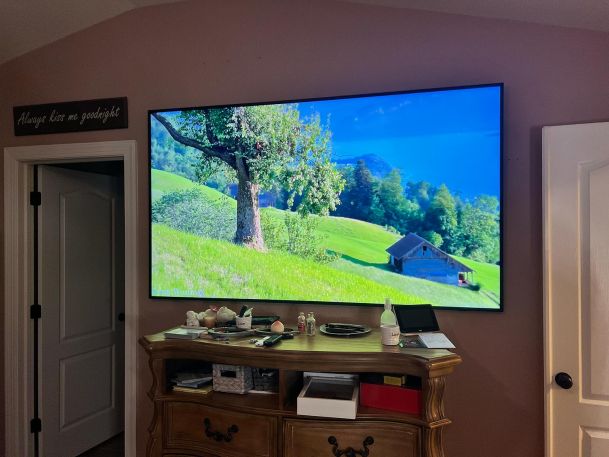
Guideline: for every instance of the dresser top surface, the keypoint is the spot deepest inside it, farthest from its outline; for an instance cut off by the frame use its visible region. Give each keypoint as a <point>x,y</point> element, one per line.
<point>320,347</point>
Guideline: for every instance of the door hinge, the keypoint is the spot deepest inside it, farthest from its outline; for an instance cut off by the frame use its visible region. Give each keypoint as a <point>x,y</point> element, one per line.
<point>36,425</point>
<point>35,198</point>
<point>35,312</point>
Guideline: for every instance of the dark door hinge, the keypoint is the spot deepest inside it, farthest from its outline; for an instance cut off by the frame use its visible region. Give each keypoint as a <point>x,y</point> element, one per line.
<point>36,425</point>
<point>35,312</point>
<point>35,198</point>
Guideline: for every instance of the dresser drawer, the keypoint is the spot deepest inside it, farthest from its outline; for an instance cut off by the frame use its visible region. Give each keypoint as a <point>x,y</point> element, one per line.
<point>218,431</point>
<point>304,438</point>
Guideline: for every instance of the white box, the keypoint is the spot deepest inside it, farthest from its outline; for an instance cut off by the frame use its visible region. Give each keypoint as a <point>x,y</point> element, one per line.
<point>329,396</point>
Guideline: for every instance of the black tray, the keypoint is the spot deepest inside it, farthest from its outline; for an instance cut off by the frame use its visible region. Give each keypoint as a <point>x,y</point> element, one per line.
<point>344,330</point>
<point>257,320</point>
<point>229,332</point>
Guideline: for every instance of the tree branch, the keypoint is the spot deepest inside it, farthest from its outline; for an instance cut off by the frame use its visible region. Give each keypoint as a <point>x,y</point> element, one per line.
<point>224,156</point>
<point>242,168</point>
<point>210,135</point>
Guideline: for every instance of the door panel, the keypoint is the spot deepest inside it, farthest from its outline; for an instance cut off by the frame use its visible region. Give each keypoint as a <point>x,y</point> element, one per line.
<point>86,291</point>
<point>595,288</point>
<point>82,293</point>
<point>576,288</point>
<point>84,381</point>
<point>595,442</point>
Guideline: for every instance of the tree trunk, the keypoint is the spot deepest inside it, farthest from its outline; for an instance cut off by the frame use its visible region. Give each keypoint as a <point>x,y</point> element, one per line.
<point>249,229</point>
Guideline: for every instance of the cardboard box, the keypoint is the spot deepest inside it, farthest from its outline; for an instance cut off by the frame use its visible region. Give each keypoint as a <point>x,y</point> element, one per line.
<point>329,397</point>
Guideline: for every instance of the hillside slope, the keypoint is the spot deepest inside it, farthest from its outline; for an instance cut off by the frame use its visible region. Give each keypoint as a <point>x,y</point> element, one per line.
<point>188,265</point>
<point>185,265</point>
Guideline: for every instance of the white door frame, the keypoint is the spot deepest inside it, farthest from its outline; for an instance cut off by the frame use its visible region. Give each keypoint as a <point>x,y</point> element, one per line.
<point>17,273</point>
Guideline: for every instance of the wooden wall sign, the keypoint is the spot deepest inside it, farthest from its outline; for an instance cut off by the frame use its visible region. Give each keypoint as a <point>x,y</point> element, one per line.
<point>78,116</point>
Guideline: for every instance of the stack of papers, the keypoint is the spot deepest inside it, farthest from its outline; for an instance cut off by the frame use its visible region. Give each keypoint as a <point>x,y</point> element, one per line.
<point>430,340</point>
<point>435,340</point>
<point>194,383</point>
<point>192,380</point>
<point>184,333</point>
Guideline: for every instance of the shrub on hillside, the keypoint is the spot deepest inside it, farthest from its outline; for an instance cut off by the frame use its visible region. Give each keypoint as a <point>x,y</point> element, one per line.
<point>295,234</point>
<point>273,231</point>
<point>303,239</point>
<point>189,211</point>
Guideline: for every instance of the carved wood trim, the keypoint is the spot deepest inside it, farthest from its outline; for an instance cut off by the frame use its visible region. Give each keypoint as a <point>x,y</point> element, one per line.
<point>153,447</point>
<point>433,442</point>
<point>152,389</point>
<point>433,393</point>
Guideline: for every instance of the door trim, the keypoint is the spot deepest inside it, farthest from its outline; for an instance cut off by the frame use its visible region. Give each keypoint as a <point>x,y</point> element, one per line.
<point>17,273</point>
<point>547,309</point>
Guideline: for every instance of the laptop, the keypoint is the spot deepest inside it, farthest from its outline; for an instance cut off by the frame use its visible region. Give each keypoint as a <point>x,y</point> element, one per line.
<point>419,327</point>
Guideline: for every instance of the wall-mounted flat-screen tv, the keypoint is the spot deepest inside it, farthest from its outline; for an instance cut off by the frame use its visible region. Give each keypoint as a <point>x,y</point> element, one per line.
<point>344,200</point>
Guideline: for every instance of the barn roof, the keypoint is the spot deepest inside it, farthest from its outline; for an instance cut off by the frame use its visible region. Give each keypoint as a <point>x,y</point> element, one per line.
<point>403,247</point>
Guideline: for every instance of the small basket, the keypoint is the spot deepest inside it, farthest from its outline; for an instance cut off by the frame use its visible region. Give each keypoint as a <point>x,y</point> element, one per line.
<point>232,378</point>
<point>265,379</point>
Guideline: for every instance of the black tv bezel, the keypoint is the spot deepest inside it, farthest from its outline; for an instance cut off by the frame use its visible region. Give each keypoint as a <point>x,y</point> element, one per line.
<point>499,85</point>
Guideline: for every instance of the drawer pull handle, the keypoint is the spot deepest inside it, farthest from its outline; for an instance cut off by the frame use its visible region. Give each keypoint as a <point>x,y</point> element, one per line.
<point>219,436</point>
<point>350,452</point>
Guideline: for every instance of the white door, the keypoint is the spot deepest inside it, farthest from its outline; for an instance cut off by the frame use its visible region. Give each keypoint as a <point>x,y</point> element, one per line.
<point>576,289</point>
<point>81,293</point>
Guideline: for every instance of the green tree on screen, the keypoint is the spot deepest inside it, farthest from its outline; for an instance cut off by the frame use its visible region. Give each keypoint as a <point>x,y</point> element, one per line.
<point>441,216</point>
<point>266,147</point>
<point>358,195</point>
<point>392,208</point>
<point>478,233</point>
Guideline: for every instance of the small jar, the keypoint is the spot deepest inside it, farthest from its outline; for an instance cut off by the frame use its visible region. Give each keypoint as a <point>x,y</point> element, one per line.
<point>310,323</point>
<point>301,323</point>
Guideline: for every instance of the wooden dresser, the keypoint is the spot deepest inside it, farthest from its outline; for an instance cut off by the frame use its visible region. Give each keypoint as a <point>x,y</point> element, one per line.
<point>266,425</point>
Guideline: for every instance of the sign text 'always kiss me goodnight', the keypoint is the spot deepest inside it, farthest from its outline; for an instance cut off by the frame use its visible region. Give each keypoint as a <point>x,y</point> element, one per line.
<point>78,116</point>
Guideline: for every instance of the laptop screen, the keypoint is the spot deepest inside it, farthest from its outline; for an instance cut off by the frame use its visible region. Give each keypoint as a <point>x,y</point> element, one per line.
<point>416,318</point>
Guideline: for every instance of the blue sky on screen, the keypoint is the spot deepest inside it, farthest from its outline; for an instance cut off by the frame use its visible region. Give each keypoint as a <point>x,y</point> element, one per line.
<point>447,137</point>
<point>450,136</point>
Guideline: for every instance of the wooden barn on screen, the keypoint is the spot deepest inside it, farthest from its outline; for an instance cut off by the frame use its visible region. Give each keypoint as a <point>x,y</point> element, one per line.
<point>415,256</point>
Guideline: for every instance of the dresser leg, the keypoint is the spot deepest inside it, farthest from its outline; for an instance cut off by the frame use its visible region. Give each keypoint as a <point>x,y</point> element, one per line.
<point>154,447</point>
<point>433,394</point>
<point>433,445</point>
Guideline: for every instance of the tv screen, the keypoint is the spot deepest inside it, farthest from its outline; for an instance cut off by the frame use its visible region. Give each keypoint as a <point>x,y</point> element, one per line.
<point>338,200</point>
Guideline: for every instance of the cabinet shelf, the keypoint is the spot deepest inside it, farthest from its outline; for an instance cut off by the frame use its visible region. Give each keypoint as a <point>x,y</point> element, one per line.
<point>262,402</point>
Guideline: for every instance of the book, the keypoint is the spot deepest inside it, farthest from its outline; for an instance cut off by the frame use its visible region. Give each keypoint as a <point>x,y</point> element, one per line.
<point>190,390</point>
<point>435,340</point>
<point>194,383</point>
<point>183,334</point>
<point>429,340</point>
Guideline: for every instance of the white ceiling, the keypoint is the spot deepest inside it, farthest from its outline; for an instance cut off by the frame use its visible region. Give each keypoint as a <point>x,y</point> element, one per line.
<point>29,24</point>
<point>584,14</point>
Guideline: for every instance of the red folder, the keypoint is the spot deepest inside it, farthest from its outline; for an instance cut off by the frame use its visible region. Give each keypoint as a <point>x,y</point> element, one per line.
<point>392,398</point>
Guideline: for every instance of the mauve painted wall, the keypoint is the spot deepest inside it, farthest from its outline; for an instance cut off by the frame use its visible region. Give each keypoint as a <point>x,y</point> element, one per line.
<point>215,51</point>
